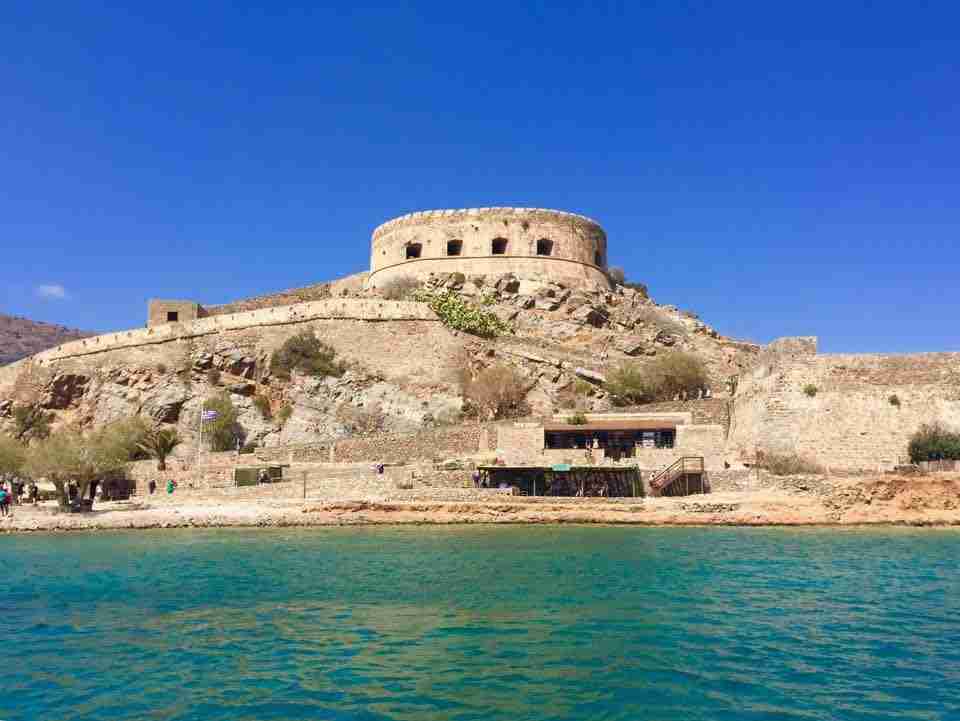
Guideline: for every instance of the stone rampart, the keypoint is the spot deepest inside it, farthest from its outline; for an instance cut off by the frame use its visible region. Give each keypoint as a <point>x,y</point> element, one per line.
<point>333,309</point>
<point>847,412</point>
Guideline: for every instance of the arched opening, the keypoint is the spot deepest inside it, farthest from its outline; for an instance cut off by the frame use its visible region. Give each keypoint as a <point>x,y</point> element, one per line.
<point>544,246</point>
<point>499,246</point>
<point>598,258</point>
<point>454,247</point>
<point>413,250</point>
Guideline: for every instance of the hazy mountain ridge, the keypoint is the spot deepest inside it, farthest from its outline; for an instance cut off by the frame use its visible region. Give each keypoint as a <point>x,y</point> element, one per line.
<point>22,337</point>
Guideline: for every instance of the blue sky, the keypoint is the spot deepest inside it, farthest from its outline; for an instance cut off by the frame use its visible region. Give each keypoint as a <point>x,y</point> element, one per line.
<point>780,169</point>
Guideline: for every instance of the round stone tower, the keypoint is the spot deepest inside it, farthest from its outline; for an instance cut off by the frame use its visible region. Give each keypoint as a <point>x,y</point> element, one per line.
<point>527,242</point>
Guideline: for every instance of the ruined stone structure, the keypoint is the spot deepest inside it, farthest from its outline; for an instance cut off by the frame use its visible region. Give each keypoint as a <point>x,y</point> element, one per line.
<point>491,241</point>
<point>172,311</point>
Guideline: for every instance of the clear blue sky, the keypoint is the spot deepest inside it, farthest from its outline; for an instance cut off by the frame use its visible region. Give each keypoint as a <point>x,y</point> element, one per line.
<point>780,168</point>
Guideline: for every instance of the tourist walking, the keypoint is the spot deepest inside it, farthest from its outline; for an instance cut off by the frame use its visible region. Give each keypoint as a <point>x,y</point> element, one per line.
<point>152,486</point>
<point>171,484</point>
<point>33,492</point>
<point>4,501</point>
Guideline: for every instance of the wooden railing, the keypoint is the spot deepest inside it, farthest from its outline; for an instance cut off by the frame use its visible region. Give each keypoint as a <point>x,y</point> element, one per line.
<point>678,469</point>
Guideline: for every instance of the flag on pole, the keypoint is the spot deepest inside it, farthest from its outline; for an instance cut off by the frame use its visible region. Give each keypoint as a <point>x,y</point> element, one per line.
<point>209,415</point>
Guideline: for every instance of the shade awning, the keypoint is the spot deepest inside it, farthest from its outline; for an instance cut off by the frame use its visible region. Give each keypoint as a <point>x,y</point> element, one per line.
<point>611,426</point>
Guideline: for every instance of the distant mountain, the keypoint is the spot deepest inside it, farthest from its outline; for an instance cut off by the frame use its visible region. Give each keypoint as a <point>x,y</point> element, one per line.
<point>20,337</point>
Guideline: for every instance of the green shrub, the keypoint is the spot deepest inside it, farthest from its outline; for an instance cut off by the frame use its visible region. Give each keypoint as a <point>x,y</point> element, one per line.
<point>283,415</point>
<point>788,464</point>
<point>31,422</point>
<point>460,314</point>
<point>577,419</point>
<point>810,390</point>
<point>932,442</point>
<point>894,400</point>
<point>306,354</point>
<point>222,432</point>
<point>666,377</point>
<point>262,404</point>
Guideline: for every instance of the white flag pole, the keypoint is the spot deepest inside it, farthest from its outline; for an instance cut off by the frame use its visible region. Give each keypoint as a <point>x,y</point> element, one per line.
<point>200,442</point>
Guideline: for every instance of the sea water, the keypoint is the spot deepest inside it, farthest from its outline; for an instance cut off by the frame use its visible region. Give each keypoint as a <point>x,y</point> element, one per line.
<point>491,622</point>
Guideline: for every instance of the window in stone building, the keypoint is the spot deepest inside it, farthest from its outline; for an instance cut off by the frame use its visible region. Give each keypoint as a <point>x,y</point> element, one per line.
<point>499,246</point>
<point>598,258</point>
<point>413,250</point>
<point>172,316</point>
<point>454,247</point>
<point>544,246</point>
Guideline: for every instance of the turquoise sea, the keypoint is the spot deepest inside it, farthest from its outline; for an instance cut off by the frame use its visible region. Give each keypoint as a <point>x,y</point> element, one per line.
<point>509,623</point>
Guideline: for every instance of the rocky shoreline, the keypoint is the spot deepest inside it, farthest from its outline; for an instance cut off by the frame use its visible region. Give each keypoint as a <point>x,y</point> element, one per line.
<point>885,500</point>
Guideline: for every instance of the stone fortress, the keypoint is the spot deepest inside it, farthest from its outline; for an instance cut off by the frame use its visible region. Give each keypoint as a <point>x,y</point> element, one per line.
<point>544,271</point>
<point>522,241</point>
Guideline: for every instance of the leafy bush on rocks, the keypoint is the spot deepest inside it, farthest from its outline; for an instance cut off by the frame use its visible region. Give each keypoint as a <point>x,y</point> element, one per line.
<point>222,432</point>
<point>460,314</point>
<point>262,404</point>
<point>933,442</point>
<point>671,375</point>
<point>306,354</point>
<point>495,392</point>
<point>31,422</point>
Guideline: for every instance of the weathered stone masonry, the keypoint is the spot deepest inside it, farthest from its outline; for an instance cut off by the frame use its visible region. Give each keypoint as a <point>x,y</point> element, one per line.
<point>850,421</point>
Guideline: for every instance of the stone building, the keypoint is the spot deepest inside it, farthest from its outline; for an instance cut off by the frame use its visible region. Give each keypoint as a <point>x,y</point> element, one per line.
<point>491,241</point>
<point>172,311</point>
<point>648,440</point>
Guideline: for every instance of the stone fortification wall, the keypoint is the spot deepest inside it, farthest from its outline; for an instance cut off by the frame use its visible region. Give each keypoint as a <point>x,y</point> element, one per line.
<point>319,291</point>
<point>333,309</point>
<point>848,420</point>
<point>532,241</point>
<point>430,443</point>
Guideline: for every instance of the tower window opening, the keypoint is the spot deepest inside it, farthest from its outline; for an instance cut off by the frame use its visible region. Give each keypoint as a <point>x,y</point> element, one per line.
<point>413,250</point>
<point>454,247</point>
<point>598,258</point>
<point>544,246</point>
<point>172,316</point>
<point>499,246</point>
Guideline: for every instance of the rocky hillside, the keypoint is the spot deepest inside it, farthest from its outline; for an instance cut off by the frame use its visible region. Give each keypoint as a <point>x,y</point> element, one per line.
<point>20,337</point>
<point>400,374</point>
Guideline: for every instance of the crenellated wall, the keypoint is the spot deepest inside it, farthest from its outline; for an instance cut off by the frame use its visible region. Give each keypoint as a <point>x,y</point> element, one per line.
<point>848,420</point>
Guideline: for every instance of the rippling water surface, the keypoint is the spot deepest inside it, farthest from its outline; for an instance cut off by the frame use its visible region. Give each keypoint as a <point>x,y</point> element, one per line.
<point>481,623</point>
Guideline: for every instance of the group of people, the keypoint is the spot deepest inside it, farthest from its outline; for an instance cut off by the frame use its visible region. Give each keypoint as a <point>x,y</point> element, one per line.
<point>11,493</point>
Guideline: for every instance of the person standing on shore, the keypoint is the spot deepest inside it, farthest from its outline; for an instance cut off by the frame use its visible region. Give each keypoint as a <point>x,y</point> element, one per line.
<point>4,500</point>
<point>152,486</point>
<point>171,484</point>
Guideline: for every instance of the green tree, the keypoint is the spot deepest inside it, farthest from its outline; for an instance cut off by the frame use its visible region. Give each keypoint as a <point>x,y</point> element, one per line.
<point>222,432</point>
<point>31,422</point>
<point>306,354</point>
<point>12,457</point>
<point>933,441</point>
<point>159,444</point>
<point>666,377</point>
<point>66,456</point>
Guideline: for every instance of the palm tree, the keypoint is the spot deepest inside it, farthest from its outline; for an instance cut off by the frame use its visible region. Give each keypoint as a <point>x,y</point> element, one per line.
<point>159,444</point>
